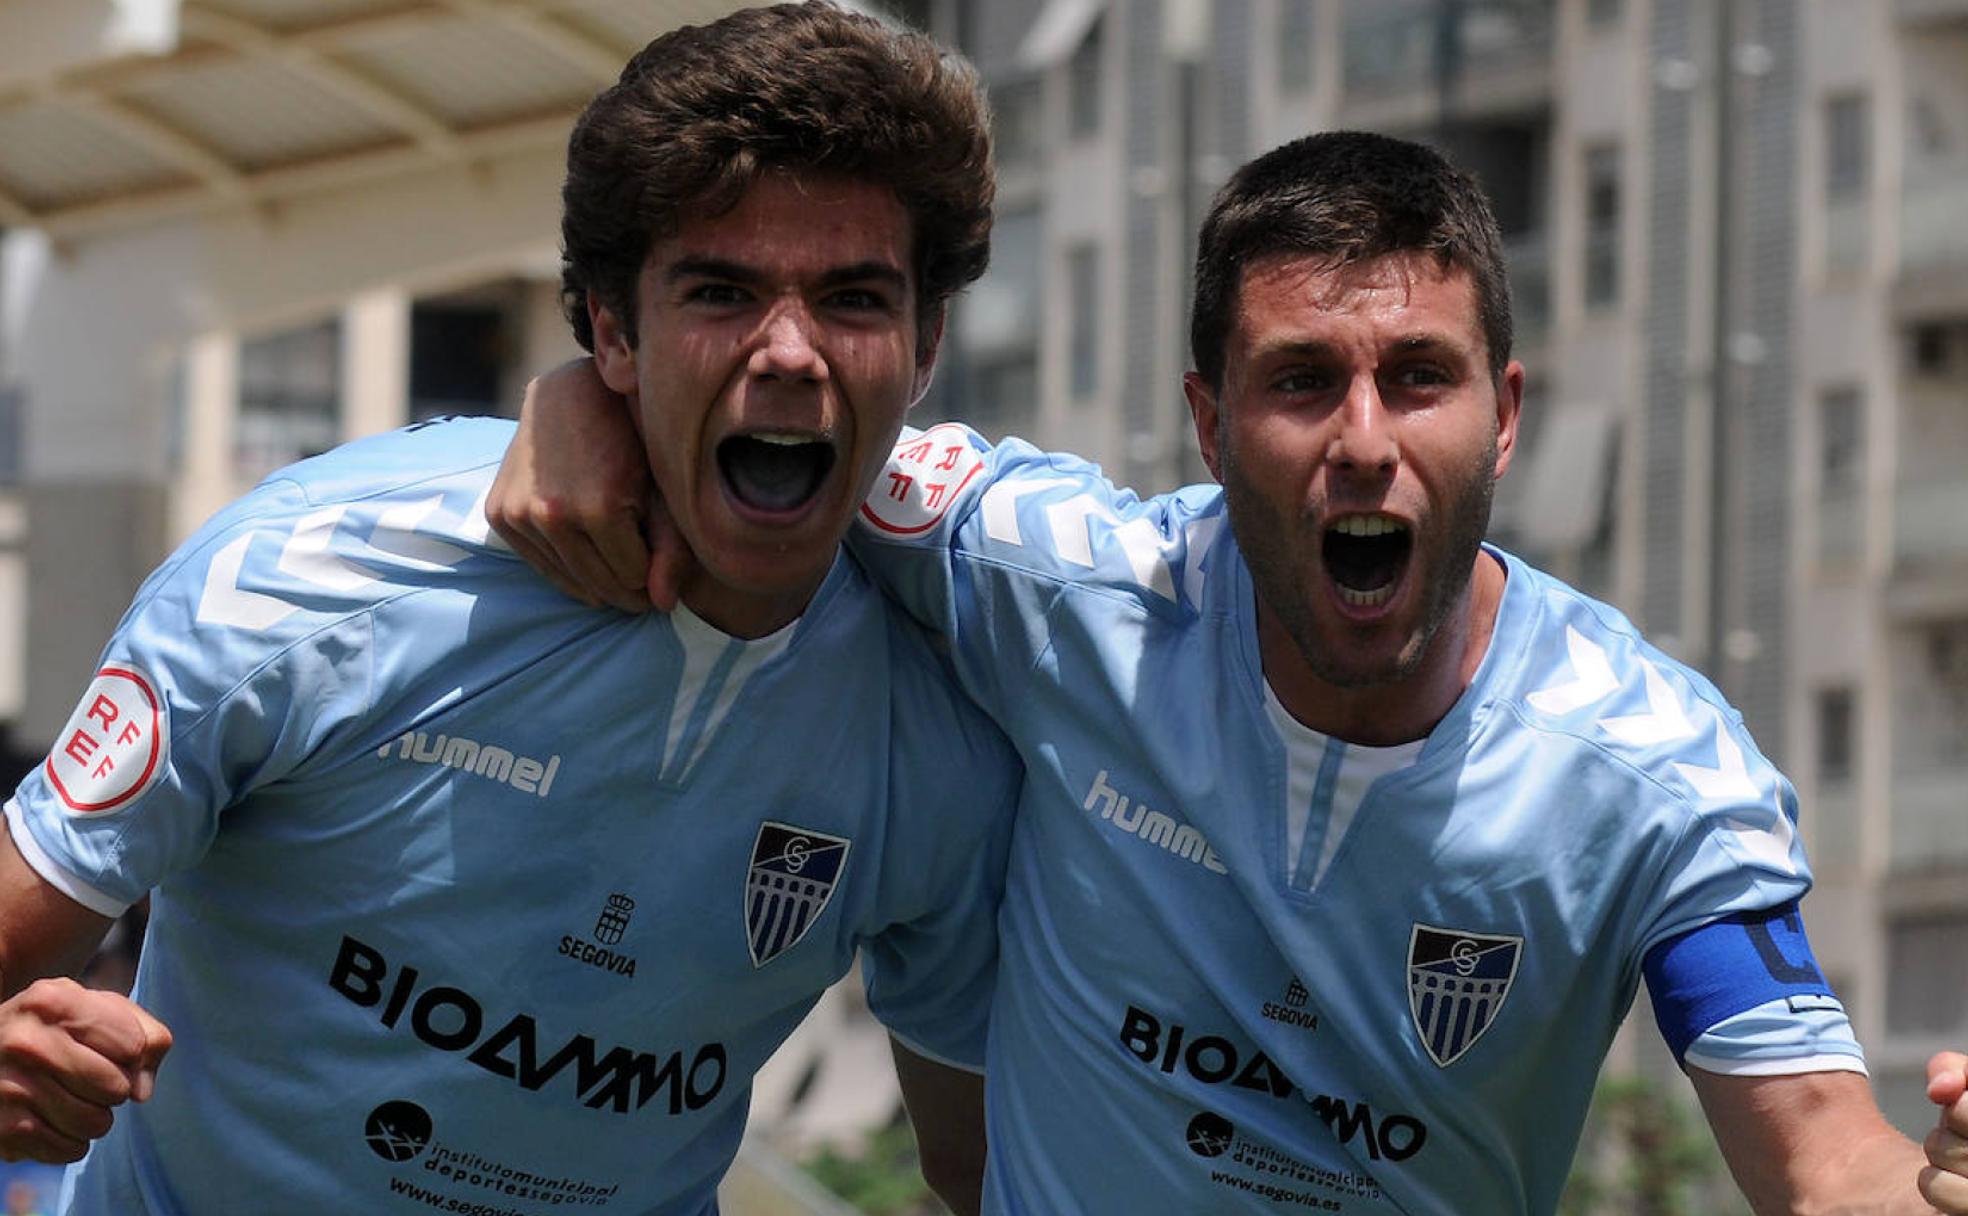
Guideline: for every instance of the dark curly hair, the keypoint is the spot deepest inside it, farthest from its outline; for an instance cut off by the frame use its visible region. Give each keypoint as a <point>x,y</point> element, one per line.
<point>1343,197</point>
<point>700,112</point>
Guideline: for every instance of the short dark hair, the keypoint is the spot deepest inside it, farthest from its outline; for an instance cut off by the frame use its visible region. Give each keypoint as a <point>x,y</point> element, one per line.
<point>702,111</point>
<point>1340,198</point>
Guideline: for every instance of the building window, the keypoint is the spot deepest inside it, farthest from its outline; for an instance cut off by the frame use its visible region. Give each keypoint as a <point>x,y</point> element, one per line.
<point>1602,227</point>
<point>1602,13</point>
<point>290,387</point>
<point>458,355</point>
<point>1295,45</point>
<point>1004,396</point>
<point>1836,748</point>
<point>1083,81</point>
<point>11,398</point>
<point>1841,474</point>
<point>1017,123</point>
<point>1083,341</point>
<point>1846,159</point>
<point>1926,987</point>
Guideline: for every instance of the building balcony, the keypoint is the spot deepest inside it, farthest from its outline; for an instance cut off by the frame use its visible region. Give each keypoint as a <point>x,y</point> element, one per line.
<point>1923,11</point>
<point>1933,240</point>
<point>1527,262</point>
<point>1477,52</point>
<point>1928,536</point>
<point>1929,806</point>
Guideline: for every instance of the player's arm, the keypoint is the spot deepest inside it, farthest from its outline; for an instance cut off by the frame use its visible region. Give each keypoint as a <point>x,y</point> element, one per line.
<point>573,490</point>
<point>946,1107</point>
<point>1816,1142</point>
<point>68,1054</point>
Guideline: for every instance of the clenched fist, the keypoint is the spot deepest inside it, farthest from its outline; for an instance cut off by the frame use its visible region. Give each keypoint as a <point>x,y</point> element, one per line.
<point>68,1055</point>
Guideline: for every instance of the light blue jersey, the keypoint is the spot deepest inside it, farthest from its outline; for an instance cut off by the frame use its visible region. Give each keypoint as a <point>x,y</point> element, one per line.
<point>1249,968</point>
<point>466,897</point>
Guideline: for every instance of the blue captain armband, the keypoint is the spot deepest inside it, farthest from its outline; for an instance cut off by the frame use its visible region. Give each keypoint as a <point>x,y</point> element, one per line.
<point>1710,974</point>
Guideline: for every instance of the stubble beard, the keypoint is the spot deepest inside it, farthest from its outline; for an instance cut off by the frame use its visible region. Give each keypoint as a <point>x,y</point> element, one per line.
<point>1282,578</point>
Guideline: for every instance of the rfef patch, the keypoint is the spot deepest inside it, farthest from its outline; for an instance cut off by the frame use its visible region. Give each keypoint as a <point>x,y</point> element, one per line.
<point>922,478</point>
<point>115,743</point>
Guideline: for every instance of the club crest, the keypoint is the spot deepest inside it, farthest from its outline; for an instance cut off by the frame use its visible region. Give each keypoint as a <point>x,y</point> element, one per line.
<point>793,874</point>
<point>1456,983</point>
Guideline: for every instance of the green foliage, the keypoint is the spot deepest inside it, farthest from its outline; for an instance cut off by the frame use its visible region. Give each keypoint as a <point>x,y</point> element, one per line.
<point>1647,1153</point>
<point>883,1179</point>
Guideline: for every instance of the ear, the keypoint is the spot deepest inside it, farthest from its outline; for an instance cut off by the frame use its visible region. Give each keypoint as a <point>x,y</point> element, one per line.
<point>927,344</point>
<point>1203,412</point>
<point>614,348</point>
<point>1509,406</point>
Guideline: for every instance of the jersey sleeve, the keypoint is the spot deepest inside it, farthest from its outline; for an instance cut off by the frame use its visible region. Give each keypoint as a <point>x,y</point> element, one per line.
<point>215,682</point>
<point>1734,985</point>
<point>1744,996</point>
<point>246,651</point>
<point>982,545</point>
<point>930,975</point>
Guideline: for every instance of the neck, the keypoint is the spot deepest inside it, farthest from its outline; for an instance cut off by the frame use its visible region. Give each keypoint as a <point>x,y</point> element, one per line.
<point>744,614</point>
<point>1399,710</point>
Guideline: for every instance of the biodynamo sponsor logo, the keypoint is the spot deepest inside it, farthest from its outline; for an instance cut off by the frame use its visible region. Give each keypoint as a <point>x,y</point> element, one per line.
<point>115,744</point>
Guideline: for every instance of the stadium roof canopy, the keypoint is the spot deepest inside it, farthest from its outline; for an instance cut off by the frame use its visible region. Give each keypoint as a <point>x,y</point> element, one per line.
<point>116,113</point>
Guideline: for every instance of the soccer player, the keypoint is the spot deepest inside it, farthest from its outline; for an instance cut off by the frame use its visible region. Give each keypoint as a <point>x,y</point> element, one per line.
<point>1346,839</point>
<point>465,896</point>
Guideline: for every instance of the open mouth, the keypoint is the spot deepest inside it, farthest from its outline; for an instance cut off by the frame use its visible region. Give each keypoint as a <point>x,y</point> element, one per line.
<point>775,472</point>
<point>1366,556</point>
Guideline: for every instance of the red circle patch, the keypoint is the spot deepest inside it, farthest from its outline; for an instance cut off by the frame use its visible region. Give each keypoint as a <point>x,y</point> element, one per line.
<point>114,744</point>
<point>923,477</point>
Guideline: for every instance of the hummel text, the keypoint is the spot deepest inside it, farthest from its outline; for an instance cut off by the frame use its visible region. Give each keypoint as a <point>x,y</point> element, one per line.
<point>523,773</point>
<point>1134,818</point>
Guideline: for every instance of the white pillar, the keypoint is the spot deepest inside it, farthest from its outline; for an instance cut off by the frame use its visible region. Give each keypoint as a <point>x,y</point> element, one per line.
<point>206,478</point>
<point>375,362</point>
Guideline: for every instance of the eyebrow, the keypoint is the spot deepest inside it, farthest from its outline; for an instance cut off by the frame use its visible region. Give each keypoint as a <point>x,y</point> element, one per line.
<point>738,272</point>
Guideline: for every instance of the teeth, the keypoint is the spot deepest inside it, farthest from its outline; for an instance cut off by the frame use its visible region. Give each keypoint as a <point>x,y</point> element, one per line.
<point>1367,599</point>
<point>780,439</point>
<point>1368,525</point>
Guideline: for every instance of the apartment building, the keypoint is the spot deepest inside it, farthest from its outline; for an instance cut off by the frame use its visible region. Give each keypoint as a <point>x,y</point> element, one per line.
<point>1740,270</point>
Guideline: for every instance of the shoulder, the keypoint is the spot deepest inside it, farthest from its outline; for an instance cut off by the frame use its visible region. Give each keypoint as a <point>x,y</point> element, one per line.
<point>1584,674</point>
<point>1041,515</point>
<point>347,529</point>
<point>306,564</point>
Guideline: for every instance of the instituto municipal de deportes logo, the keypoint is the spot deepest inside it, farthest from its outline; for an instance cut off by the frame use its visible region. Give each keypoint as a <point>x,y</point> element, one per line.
<point>1457,980</point>
<point>397,1131</point>
<point>793,874</point>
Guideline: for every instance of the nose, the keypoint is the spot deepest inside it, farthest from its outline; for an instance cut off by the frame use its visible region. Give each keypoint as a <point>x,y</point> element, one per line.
<point>786,348</point>
<point>1363,435</point>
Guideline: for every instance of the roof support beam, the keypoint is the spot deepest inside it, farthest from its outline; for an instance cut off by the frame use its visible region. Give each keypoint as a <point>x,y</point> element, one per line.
<point>600,61</point>
<point>390,107</point>
<point>164,141</point>
<point>15,214</point>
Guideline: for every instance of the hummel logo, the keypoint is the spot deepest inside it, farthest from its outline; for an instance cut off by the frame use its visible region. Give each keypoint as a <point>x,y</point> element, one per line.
<point>523,773</point>
<point>1135,819</point>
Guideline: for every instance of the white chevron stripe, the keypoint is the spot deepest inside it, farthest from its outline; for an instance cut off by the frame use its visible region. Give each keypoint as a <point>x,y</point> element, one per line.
<point>1200,535</point>
<point>1147,555</point>
<point>1592,678</point>
<point>477,528</point>
<point>1768,844</point>
<point>224,602</point>
<point>1663,721</point>
<point>308,557</point>
<point>396,534</point>
<point>1729,779</point>
<point>1000,506</point>
<point>1072,539</point>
